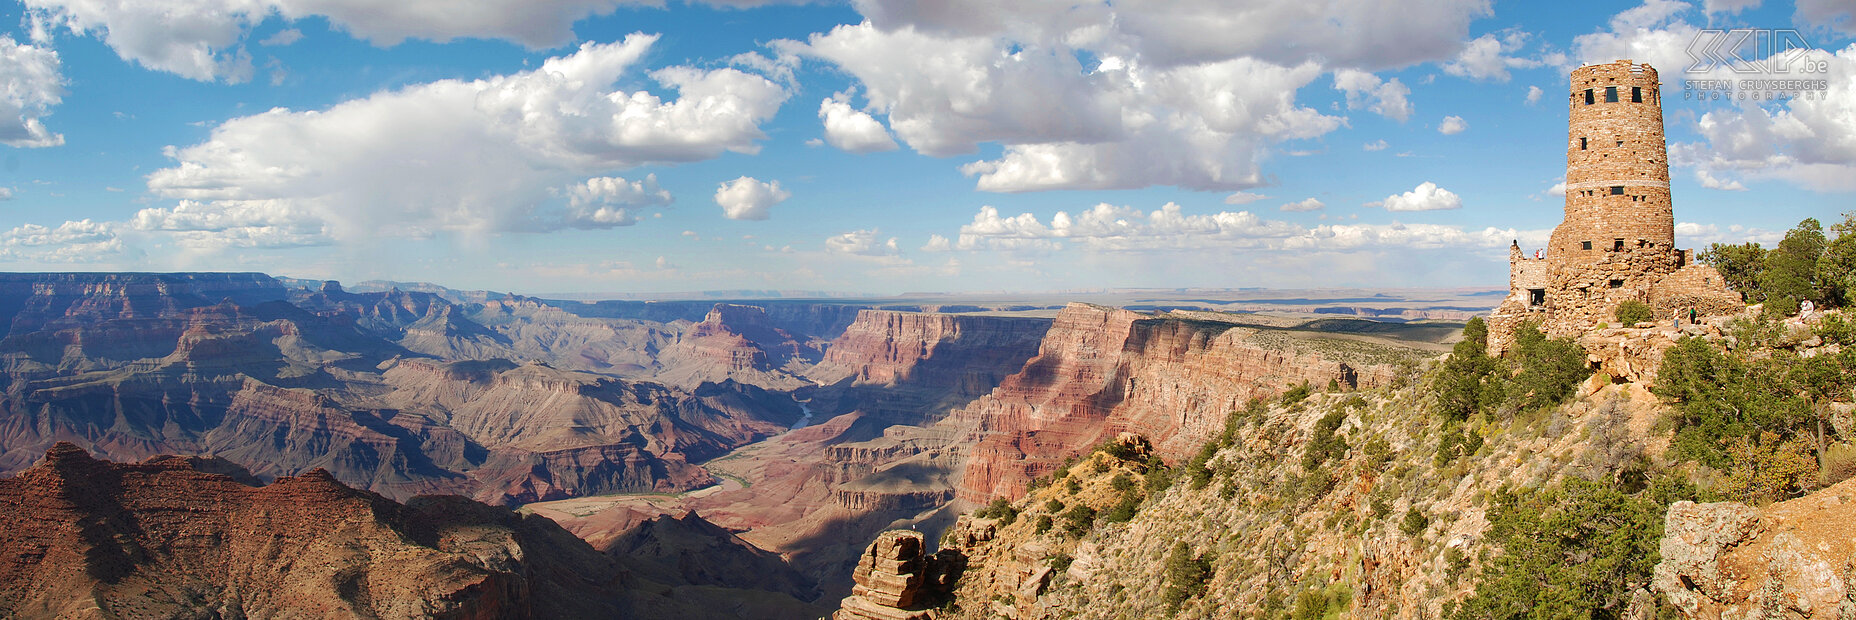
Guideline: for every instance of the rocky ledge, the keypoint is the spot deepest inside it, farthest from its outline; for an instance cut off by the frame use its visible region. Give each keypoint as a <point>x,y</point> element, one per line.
<point>897,580</point>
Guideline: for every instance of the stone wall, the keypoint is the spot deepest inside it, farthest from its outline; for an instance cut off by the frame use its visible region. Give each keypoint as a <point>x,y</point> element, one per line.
<point>1617,241</point>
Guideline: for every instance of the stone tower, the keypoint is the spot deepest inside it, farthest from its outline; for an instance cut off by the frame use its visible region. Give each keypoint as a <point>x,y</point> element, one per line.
<point>1617,241</point>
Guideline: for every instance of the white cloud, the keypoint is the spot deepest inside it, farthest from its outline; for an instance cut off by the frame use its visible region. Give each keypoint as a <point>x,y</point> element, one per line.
<point>606,202</point>
<point>1709,181</point>
<point>6,193</point>
<point>32,85</point>
<point>748,198</point>
<point>851,129</point>
<point>1124,229</point>
<point>1728,7</point>
<point>1302,205</point>
<point>1488,57</point>
<point>1809,141</point>
<point>1558,189</point>
<point>1239,198</point>
<point>1695,235</point>
<point>1835,15</point>
<point>1376,145</point>
<point>1452,125</point>
<point>1383,97</point>
<point>1426,197</point>
<point>77,241</point>
<point>1121,123</point>
<point>482,156</point>
<point>1533,94</point>
<point>862,243</point>
<point>937,243</point>
<point>1355,33</point>
<point>205,39</point>
<point>282,38</point>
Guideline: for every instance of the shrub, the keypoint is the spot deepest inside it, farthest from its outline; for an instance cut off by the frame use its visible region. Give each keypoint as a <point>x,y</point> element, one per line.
<point>1574,551</point>
<point>1550,369</point>
<point>1186,575</point>
<point>1295,394</point>
<point>1042,525</point>
<point>1053,506</point>
<point>1079,519</point>
<point>1768,469</point>
<point>1322,603</point>
<point>1121,483</point>
<point>999,509</point>
<point>1467,380</point>
<point>1123,510</point>
<point>1739,266</point>
<point>1072,486</point>
<point>1414,522</point>
<point>1197,468</point>
<point>1158,480</point>
<point>1061,562</point>
<point>1323,444</point>
<point>1718,397</point>
<point>1632,312</point>
<point>1835,329</point>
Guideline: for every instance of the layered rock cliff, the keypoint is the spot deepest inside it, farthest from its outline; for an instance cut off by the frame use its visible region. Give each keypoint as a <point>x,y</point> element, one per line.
<point>1100,372</point>
<point>162,538</point>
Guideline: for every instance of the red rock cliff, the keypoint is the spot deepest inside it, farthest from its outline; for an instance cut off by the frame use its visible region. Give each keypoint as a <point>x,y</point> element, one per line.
<point>1102,371</point>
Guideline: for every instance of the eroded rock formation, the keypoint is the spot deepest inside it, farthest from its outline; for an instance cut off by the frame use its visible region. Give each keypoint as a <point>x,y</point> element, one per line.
<point>898,580</point>
<point>1791,559</point>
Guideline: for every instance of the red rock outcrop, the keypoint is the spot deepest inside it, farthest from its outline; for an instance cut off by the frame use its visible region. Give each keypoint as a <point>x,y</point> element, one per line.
<point>92,539</point>
<point>736,342</point>
<point>897,580</point>
<point>1791,559</point>
<point>1103,371</point>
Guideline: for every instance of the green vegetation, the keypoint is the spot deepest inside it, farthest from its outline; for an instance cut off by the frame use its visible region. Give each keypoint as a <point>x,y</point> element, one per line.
<point>1806,264</point>
<point>1322,603</point>
<point>999,509</point>
<point>1573,551</point>
<point>1325,444</point>
<point>1631,312</point>
<point>1414,522</point>
<point>1186,575</point>
<point>1295,394</point>
<point>1539,373</point>
<point>1755,414</point>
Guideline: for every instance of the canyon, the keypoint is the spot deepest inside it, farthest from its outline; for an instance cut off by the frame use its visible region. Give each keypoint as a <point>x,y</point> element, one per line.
<point>689,436</point>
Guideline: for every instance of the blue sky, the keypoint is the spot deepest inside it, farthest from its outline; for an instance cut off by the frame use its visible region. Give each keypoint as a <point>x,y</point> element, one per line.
<point>874,146</point>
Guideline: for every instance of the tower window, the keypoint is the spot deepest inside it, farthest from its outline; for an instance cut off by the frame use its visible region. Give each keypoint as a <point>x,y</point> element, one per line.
<point>1582,144</point>
<point>1636,94</point>
<point>1617,284</point>
<point>1617,245</point>
<point>1585,245</point>
<point>1536,296</point>
<point>1617,190</point>
<point>1588,96</point>
<point>1611,94</point>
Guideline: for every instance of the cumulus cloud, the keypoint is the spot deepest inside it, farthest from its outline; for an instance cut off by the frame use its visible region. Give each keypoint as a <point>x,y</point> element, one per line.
<point>748,198</point>
<point>1122,122</point>
<point>937,243</point>
<point>1376,145</point>
<point>1533,94</point>
<point>1356,33</point>
<point>851,129</point>
<point>205,39</point>
<point>77,241</point>
<point>1125,229</point>
<point>1240,198</point>
<point>1708,180</point>
<point>861,243</point>
<point>1692,234</point>
<point>1309,204</point>
<point>482,156</point>
<point>6,193</point>
<point>1426,197</point>
<point>1452,125</point>
<point>1489,57</point>
<point>1383,97</point>
<point>33,85</point>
